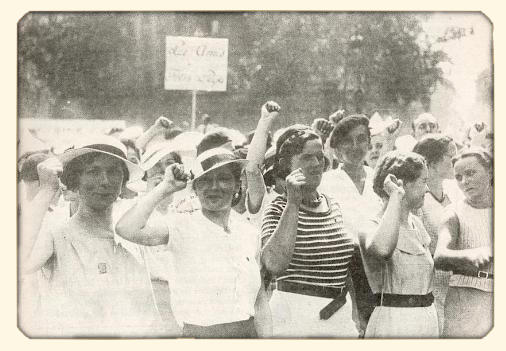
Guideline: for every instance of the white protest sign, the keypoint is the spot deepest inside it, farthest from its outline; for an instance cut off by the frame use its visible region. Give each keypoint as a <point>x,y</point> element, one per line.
<point>194,63</point>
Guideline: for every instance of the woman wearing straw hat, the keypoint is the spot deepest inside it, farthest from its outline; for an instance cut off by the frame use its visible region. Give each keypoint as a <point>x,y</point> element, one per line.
<point>97,289</point>
<point>215,276</point>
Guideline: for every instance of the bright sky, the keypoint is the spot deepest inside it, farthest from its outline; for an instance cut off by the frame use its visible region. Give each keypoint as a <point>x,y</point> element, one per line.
<point>470,55</point>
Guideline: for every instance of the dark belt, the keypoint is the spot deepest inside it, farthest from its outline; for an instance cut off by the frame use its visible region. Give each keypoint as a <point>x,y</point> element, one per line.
<point>395,300</point>
<point>338,295</point>
<point>478,274</point>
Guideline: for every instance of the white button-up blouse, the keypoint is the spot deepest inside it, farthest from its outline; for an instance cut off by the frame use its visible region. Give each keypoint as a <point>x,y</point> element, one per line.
<point>214,274</point>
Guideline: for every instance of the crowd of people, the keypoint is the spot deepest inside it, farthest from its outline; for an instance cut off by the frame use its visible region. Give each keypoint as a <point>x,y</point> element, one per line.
<point>341,228</point>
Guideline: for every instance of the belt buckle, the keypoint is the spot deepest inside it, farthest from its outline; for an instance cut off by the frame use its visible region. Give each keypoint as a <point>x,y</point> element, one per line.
<point>482,274</point>
<point>340,289</point>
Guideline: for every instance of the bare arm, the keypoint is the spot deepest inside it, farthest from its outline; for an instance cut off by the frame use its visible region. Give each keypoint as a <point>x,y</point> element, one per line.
<point>256,154</point>
<point>263,316</point>
<point>133,225</point>
<point>382,242</point>
<point>36,248</point>
<point>277,252</point>
<point>447,257</point>
<point>161,124</point>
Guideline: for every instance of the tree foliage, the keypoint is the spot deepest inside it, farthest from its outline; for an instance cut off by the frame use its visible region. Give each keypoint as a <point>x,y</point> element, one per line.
<point>317,61</point>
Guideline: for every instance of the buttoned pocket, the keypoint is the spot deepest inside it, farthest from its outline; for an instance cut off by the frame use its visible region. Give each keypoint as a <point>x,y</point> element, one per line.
<point>410,246</point>
<point>411,267</point>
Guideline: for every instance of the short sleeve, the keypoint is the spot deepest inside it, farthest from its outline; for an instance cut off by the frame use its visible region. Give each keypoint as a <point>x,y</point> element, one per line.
<point>270,219</point>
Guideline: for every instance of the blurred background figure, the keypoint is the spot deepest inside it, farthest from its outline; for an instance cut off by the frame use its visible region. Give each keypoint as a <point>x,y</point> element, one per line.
<point>425,123</point>
<point>383,135</point>
<point>479,134</point>
<point>206,124</point>
<point>438,151</point>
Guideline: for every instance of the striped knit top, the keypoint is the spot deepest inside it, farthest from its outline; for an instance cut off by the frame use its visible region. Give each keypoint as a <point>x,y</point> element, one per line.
<point>323,249</point>
<point>475,230</point>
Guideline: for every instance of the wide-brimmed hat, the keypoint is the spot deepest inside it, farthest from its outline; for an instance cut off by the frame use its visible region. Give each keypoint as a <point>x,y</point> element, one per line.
<point>185,144</point>
<point>214,158</point>
<point>154,153</point>
<point>103,144</point>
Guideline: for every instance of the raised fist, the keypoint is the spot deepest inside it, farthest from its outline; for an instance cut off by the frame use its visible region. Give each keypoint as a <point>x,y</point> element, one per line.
<point>175,177</point>
<point>270,109</point>
<point>164,123</point>
<point>393,128</point>
<point>393,185</point>
<point>322,127</point>
<point>337,116</point>
<point>293,182</point>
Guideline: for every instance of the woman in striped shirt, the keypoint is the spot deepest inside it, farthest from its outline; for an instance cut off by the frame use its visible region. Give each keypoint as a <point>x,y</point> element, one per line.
<point>305,246</point>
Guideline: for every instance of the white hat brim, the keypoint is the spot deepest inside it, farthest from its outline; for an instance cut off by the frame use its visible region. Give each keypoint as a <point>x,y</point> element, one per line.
<point>135,172</point>
<point>197,173</point>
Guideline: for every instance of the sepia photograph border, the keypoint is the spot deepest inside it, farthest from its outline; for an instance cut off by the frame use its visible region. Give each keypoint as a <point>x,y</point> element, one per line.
<point>12,336</point>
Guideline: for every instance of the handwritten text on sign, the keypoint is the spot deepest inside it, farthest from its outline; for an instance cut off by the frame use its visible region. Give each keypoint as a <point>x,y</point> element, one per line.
<point>193,63</point>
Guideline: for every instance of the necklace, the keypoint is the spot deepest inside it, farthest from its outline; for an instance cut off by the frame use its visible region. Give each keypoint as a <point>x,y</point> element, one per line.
<point>315,202</point>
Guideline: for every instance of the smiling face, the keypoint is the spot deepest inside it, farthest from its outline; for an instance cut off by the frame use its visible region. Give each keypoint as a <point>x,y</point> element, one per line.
<point>415,191</point>
<point>354,146</point>
<point>378,148</point>
<point>215,189</point>
<point>100,182</point>
<point>473,178</point>
<point>312,162</point>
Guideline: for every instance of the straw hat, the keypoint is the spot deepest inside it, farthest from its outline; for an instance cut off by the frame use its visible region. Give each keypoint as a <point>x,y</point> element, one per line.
<point>105,145</point>
<point>214,158</point>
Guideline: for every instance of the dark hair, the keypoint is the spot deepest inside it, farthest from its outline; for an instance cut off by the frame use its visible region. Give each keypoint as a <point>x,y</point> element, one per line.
<point>406,166</point>
<point>28,172</point>
<point>213,139</point>
<point>345,125</point>
<point>268,171</point>
<point>290,143</point>
<point>433,147</point>
<point>73,169</point>
<point>484,157</point>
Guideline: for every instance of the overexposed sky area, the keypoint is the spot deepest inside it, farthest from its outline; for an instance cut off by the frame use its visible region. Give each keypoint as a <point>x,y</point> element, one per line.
<point>470,55</point>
